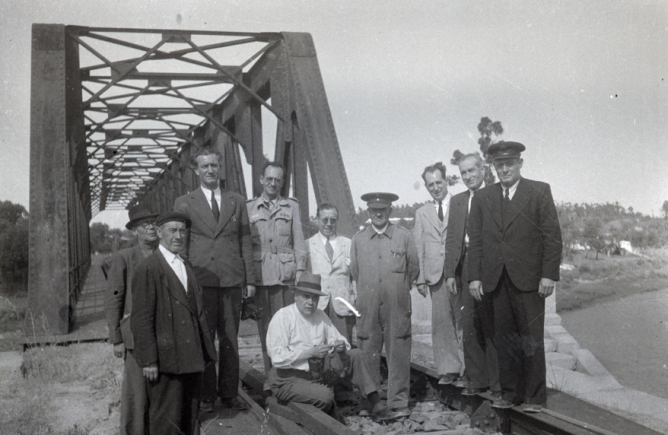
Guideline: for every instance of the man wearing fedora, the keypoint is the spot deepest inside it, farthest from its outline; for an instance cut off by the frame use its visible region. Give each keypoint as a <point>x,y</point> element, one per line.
<point>309,355</point>
<point>219,248</point>
<point>514,257</point>
<point>172,340</point>
<point>384,263</point>
<point>118,306</point>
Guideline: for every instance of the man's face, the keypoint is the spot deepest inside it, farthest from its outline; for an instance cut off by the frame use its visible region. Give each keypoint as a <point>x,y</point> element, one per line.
<point>327,222</point>
<point>172,236</point>
<point>436,185</point>
<point>508,170</point>
<point>471,173</point>
<point>146,231</point>
<point>272,181</point>
<point>306,303</point>
<point>208,170</point>
<point>380,216</point>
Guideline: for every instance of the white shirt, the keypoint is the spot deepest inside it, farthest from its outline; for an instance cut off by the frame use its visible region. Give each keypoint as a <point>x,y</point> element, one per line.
<point>216,194</point>
<point>511,190</point>
<point>382,230</point>
<point>446,204</point>
<point>290,334</point>
<point>332,240</point>
<point>176,263</point>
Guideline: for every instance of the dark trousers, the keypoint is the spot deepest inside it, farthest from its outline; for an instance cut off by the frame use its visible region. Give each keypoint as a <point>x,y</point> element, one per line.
<point>222,306</point>
<point>174,404</point>
<point>482,365</point>
<point>270,299</point>
<point>134,398</point>
<point>519,324</point>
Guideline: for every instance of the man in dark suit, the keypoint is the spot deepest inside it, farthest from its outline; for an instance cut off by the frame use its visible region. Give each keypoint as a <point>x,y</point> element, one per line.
<point>514,257</point>
<point>480,359</point>
<point>172,340</point>
<point>118,305</point>
<point>220,250</point>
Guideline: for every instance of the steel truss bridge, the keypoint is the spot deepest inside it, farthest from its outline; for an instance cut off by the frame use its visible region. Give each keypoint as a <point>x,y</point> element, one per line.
<point>117,113</point>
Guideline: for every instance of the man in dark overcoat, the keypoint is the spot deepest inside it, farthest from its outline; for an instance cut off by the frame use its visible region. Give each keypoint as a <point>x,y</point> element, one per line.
<point>514,257</point>
<point>172,340</point>
<point>220,250</point>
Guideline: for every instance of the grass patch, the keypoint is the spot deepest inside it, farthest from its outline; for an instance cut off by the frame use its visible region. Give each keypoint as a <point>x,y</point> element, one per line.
<point>609,278</point>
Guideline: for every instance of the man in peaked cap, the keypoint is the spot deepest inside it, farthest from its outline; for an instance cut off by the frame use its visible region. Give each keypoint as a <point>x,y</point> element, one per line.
<point>172,340</point>
<point>514,256</point>
<point>219,247</point>
<point>118,306</point>
<point>384,263</point>
<point>309,355</point>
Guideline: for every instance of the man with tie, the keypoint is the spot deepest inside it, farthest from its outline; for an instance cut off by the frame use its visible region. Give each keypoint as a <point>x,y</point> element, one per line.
<point>172,340</point>
<point>430,230</point>
<point>329,257</point>
<point>480,359</point>
<point>514,256</point>
<point>219,248</point>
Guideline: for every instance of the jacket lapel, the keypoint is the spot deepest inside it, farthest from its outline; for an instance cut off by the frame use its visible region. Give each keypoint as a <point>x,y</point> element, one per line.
<point>174,286</point>
<point>227,207</point>
<point>494,203</point>
<point>432,218</point>
<point>200,204</point>
<point>519,201</point>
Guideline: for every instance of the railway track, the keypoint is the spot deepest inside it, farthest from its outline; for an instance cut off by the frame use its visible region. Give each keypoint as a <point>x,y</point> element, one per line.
<point>564,415</point>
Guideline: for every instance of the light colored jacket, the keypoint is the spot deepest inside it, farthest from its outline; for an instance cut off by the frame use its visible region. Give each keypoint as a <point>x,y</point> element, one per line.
<point>335,274</point>
<point>430,234</point>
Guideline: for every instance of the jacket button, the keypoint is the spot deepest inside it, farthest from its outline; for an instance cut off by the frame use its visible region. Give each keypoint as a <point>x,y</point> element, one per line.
<point>183,322</point>
<point>188,340</point>
<point>213,259</point>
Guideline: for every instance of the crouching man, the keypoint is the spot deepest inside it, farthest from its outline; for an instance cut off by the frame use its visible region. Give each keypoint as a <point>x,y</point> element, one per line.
<point>309,355</point>
<point>172,340</point>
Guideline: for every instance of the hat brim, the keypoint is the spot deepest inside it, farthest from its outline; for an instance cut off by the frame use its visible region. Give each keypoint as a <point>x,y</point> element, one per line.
<point>307,290</point>
<point>130,225</point>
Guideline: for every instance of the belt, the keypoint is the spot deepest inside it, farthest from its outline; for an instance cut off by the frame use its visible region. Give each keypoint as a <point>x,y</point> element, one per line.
<point>293,373</point>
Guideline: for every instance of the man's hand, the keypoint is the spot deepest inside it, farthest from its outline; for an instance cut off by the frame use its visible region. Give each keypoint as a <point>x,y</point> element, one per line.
<point>546,287</point>
<point>475,288</point>
<point>451,285</point>
<point>249,291</point>
<point>151,372</point>
<point>321,350</point>
<point>340,346</point>
<point>119,350</point>
<point>423,289</point>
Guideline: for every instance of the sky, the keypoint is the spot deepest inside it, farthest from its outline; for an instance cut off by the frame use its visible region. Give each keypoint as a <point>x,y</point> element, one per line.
<point>583,85</point>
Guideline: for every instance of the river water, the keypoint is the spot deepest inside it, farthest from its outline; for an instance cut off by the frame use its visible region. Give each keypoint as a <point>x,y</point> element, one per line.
<point>629,337</point>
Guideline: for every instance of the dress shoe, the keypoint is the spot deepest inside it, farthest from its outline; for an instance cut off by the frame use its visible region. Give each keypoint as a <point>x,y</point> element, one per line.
<point>206,406</point>
<point>471,391</point>
<point>462,382</point>
<point>447,379</point>
<point>235,403</point>
<point>532,408</point>
<point>501,403</point>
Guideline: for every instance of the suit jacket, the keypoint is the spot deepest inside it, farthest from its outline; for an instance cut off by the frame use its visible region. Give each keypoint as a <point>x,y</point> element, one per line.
<point>118,294</point>
<point>166,328</point>
<point>335,274</point>
<point>221,252</point>
<point>430,233</point>
<point>528,243</point>
<point>454,241</point>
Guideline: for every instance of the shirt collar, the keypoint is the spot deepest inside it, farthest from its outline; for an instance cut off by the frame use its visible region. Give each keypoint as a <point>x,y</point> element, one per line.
<point>324,239</point>
<point>207,192</point>
<point>445,200</point>
<point>511,189</point>
<point>386,231</point>
<point>169,256</point>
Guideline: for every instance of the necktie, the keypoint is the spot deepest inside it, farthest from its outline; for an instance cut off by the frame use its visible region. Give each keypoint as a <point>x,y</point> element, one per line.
<point>330,250</point>
<point>214,207</point>
<point>505,207</point>
<point>440,210</point>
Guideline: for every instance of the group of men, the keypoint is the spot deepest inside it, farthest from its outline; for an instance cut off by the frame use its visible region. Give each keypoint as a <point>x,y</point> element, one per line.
<point>488,257</point>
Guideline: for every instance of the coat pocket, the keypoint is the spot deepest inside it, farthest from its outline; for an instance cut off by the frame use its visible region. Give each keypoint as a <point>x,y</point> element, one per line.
<point>288,267</point>
<point>398,261</point>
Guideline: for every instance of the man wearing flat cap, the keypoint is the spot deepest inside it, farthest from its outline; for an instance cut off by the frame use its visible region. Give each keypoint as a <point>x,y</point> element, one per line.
<point>172,340</point>
<point>118,306</point>
<point>309,355</point>
<point>384,263</point>
<point>514,256</point>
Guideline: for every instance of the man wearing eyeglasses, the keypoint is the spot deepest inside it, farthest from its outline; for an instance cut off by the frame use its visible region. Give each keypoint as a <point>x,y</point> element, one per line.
<point>279,251</point>
<point>118,306</point>
<point>329,257</point>
<point>514,256</point>
<point>219,248</point>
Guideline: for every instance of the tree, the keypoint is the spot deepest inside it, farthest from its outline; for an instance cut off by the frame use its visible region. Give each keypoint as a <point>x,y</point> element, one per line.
<point>592,235</point>
<point>487,128</point>
<point>14,239</point>
<point>664,209</point>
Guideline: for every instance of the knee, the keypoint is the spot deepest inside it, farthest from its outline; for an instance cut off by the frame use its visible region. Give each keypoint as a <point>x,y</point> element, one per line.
<point>324,399</point>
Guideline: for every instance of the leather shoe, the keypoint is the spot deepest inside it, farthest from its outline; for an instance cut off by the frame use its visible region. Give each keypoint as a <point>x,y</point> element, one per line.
<point>470,391</point>
<point>447,379</point>
<point>532,408</point>
<point>206,406</point>
<point>235,403</point>
<point>461,383</point>
<point>502,403</point>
